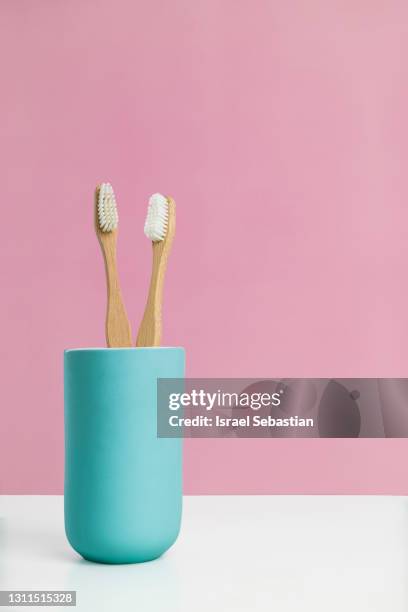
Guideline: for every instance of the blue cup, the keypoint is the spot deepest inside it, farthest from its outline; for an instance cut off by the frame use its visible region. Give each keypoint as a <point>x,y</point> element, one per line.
<point>123,484</point>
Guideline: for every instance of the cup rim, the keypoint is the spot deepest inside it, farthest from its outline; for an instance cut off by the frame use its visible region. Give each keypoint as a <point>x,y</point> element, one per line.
<point>124,348</point>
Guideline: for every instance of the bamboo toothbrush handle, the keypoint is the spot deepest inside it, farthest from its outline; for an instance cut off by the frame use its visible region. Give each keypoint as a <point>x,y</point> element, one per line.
<point>151,326</point>
<point>118,332</point>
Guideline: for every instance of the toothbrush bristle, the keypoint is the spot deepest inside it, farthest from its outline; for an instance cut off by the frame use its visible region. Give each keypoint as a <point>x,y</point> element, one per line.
<point>107,211</point>
<point>157,218</point>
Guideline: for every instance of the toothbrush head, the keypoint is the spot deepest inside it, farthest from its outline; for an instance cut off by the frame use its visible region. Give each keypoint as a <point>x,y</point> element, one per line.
<point>107,212</point>
<point>157,219</point>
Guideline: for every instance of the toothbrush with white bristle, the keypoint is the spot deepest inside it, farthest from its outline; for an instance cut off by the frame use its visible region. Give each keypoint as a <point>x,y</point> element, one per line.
<point>118,332</point>
<point>160,227</point>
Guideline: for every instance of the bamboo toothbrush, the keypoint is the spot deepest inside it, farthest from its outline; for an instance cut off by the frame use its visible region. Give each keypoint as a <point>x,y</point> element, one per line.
<point>118,333</point>
<point>160,228</point>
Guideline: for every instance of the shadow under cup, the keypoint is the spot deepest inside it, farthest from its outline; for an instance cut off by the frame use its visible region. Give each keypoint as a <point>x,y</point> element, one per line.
<point>123,484</point>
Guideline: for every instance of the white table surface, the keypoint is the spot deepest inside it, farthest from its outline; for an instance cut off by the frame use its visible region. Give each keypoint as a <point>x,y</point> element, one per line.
<point>234,553</point>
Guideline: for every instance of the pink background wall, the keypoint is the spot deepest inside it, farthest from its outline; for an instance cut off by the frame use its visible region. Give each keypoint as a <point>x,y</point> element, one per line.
<point>280,129</point>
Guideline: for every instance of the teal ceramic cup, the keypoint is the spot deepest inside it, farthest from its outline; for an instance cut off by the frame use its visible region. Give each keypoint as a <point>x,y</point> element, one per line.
<point>123,484</point>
